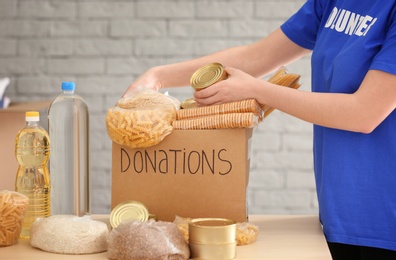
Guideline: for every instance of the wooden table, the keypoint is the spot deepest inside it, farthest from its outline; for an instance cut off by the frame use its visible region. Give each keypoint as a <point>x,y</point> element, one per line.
<point>290,237</point>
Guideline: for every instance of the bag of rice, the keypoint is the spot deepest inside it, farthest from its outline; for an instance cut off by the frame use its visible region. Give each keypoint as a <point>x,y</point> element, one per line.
<point>67,234</point>
<point>149,240</point>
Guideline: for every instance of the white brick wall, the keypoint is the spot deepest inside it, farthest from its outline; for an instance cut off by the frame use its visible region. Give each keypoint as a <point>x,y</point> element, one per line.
<point>104,45</point>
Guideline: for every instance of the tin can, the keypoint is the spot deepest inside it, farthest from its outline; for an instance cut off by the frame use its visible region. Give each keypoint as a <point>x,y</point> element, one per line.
<point>212,238</point>
<point>208,75</point>
<point>128,210</point>
<point>226,251</point>
<point>188,103</point>
<point>153,217</point>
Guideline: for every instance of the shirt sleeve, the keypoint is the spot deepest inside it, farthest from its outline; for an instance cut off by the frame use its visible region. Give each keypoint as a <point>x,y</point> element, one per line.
<point>385,60</point>
<point>302,28</point>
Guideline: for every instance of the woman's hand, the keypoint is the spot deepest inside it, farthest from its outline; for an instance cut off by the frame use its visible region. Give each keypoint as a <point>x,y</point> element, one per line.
<point>238,86</point>
<point>150,79</point>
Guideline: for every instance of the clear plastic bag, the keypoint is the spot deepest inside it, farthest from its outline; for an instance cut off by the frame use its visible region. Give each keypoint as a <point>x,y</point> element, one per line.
<point>68,234</point>
<point>246,233</point>
<point>140,127</point>
<point>150,240</point>
<point>143,97</point>
<point>13,206</point>
<point>182,225</point>
<point>142,119</point>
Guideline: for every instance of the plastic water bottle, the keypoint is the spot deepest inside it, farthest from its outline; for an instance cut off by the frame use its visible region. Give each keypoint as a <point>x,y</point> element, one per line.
<point>32,151</point>
<point>68,123</point>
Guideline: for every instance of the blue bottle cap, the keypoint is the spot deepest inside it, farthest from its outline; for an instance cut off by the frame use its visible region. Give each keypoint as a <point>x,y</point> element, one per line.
<point>68,85</point>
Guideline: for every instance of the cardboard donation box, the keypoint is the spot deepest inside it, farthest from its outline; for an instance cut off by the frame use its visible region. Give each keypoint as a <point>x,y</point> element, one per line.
<point>12,120</point>
<point>191,173</point>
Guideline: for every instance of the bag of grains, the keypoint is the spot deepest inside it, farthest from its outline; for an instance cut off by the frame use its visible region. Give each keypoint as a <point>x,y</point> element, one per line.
<point>68,234</point>
<point>149,240</point>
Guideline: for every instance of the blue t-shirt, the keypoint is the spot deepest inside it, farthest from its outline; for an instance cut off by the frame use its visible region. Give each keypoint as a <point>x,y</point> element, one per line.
<point>355,173</point>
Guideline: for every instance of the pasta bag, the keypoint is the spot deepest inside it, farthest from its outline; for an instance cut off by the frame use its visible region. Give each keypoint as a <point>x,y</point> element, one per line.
<point>13,206</point>
<point>140,127</point>
<point>141,119</point>
<point>142,97</point>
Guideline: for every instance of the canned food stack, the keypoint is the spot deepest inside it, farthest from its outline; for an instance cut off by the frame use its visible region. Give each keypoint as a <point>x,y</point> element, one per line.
<point>212,238</point>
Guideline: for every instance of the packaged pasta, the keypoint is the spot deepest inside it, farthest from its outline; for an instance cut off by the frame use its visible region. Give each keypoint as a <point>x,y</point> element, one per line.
<point>246,233</point>
<point>143,97</point>
<point>12,210</point>
<point>140,127</point>
<point>142,119</point>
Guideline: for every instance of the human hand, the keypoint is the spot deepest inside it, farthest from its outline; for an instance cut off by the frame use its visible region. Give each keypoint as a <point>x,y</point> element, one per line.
<point>149,79</point>
<point>238,86</point>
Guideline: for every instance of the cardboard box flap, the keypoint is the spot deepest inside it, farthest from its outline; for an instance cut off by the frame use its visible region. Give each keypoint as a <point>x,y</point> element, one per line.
<point>23,107</point>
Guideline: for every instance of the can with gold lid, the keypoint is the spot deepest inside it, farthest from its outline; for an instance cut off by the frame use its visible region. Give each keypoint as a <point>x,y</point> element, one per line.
<point>207,75</point>
<point>128,210</point>
<point>212,238</point>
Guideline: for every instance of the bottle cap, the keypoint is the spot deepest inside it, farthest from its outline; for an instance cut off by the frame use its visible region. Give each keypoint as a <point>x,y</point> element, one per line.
<point>32,116</point>
<point>68,85</point>
<point>128,210</point>
<point>207,75</point>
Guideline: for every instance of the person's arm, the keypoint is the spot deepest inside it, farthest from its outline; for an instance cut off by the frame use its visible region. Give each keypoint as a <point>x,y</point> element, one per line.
<point>361,111</point>
<point>256,59</point>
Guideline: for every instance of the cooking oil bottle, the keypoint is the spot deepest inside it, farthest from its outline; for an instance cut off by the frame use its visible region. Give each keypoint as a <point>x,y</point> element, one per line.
<point>32,150</point>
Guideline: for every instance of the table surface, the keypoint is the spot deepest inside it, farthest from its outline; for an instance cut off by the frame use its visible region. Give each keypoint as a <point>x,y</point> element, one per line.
<point>281,237</point>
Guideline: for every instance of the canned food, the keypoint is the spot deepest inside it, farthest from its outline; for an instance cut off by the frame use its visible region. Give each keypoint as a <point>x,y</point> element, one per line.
<point>212,238</point>
<point>153,217</point>
<point>128,210</point>
<point>207,75</point>
<point>188,103</point>
<point>225,251</point>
